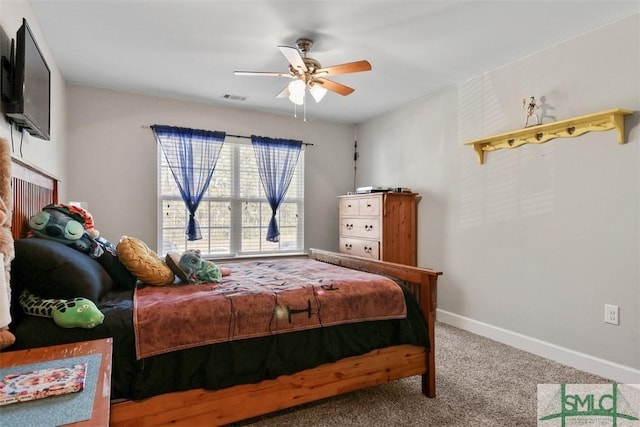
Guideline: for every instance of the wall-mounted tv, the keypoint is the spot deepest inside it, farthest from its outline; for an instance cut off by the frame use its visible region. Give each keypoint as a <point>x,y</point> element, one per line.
<point>30,99</point>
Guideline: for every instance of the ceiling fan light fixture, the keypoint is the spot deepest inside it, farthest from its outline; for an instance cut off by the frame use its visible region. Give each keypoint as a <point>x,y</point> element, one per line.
<point>296,88</point>
<point>317,91</point>
<point>307,73</point>
<point>297,92</point>
<point>298,100</point>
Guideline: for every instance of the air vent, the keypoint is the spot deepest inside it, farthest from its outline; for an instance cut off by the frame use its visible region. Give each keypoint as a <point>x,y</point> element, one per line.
<point>234,97</point>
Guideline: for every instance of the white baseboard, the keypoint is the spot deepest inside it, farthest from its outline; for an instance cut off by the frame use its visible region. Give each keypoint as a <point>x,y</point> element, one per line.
<point>604,368</point>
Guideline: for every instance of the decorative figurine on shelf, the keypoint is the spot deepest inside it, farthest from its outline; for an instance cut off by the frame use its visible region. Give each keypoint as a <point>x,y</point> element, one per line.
<point>530,109</point>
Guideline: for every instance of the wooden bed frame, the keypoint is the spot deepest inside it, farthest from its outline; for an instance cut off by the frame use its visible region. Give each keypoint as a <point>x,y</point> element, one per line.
<point>34,188</point>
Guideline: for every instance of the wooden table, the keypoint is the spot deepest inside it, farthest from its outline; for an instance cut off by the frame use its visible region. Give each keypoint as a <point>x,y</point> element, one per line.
<point>100,413</point>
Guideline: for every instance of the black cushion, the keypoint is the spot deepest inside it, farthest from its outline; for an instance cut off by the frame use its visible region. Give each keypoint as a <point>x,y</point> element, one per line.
<point>51,269</point>
<point>122,277</point>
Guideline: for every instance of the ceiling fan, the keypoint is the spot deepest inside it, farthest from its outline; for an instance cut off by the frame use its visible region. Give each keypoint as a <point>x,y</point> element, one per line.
<point>307,73</point>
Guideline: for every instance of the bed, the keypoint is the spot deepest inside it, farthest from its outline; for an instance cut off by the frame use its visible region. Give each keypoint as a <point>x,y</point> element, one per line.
<point>259,375</point>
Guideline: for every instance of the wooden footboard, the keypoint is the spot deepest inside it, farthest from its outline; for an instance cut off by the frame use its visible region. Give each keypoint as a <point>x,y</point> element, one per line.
<point>422,282</point>
<point>219,407</point>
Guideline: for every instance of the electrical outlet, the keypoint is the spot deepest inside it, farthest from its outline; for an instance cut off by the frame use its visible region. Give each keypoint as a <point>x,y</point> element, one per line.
<point>612,314</point>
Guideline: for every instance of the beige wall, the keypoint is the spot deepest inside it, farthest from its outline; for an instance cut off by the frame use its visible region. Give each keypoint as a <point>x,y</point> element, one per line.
<point>534,242</point>
<point>112,158</point>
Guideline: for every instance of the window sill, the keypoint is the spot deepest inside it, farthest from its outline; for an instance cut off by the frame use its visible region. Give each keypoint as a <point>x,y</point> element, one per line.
<point>240,258</point>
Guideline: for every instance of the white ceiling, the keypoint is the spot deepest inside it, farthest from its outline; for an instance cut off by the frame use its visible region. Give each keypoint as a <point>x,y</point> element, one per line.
<point>189,49</point>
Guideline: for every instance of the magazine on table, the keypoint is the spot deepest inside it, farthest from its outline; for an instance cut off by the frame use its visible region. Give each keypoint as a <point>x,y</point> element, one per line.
<point>41,383</point>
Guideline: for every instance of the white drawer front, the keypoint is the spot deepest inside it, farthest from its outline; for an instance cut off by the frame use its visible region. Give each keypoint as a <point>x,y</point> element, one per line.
<point>348,207</point>
<point>363,248</point>
<point>369,206</point>
<point>368,228</point>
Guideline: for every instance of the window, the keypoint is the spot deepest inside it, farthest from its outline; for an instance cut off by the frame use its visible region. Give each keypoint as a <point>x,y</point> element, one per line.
<point>234,213</point>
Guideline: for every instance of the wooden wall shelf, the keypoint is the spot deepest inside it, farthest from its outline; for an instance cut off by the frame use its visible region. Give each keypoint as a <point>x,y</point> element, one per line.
<point>538,134</point>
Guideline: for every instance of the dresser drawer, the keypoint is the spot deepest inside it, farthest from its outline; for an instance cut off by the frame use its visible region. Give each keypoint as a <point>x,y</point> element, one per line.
<point>369,206</point>
<point>368,228</point>
<point>348,207</point>
<point>363,248</point>
<point>360,206</point>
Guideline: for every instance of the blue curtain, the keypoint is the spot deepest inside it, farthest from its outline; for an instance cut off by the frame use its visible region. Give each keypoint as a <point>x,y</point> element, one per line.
<point>192,155</point>
<point>277,159</point>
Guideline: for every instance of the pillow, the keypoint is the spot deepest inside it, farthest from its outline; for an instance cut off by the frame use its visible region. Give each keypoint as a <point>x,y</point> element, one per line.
<point>143,263</point>
<point>52,269</point>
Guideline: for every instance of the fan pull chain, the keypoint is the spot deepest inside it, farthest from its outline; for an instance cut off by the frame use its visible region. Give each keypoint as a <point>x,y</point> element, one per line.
<point>304,109</point>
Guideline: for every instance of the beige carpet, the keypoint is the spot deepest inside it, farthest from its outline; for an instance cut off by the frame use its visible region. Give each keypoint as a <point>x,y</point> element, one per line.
<point>479,382</point>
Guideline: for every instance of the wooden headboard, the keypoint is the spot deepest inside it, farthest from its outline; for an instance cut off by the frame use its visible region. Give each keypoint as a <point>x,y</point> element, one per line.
<point>32,190</point>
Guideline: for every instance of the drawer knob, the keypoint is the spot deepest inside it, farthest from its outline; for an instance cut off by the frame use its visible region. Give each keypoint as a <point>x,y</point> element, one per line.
<point>367,249</point>
<point>347,246</point>
<point>368,205</point>
<point>368,227</point>
<point>349,226</point>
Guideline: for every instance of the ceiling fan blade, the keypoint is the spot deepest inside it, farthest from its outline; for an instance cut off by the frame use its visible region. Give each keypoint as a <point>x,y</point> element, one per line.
<point>284,93</point>
<point>351,67</point>
<point>295,59</point>
<point>262,73</point>
<point>335,87</point>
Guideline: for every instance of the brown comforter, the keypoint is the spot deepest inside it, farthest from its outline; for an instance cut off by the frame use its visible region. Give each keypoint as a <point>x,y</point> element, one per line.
<point>260,298</point>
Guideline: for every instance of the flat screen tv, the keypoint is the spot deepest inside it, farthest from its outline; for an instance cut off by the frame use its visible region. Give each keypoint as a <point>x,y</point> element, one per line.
<point>29,106</point>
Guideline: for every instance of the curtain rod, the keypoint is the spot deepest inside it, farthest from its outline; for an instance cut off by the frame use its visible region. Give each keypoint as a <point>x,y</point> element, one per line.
<point>248,137</point>
<point>235,136</point>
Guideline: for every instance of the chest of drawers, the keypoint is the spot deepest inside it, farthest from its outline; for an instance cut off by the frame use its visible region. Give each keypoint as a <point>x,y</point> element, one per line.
<point>380,226</point>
